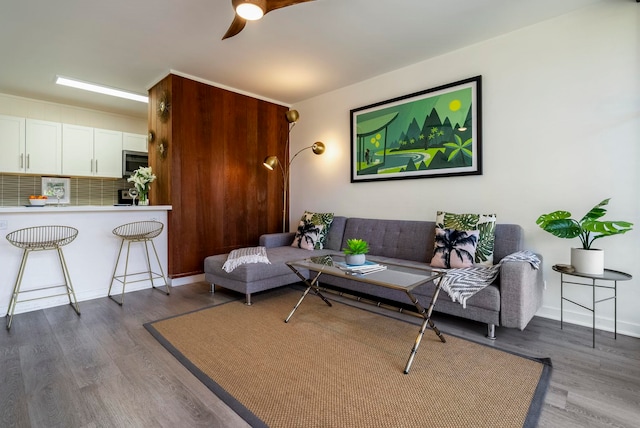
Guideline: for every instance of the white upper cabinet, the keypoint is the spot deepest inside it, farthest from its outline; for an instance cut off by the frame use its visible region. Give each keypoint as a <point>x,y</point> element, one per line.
<point>77,150</point>
<point>12,144</point>
<point>43,147</point>
<point>107,151</point>
<point>91,152</point>
<point>30,146</point>
<point>134,142</point>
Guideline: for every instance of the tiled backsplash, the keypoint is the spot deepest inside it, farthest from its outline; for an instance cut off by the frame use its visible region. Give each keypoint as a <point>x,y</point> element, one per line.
<point>15,190</point>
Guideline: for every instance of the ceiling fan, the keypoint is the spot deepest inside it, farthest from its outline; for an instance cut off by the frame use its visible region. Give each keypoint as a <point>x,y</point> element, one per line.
<point>251,10</point>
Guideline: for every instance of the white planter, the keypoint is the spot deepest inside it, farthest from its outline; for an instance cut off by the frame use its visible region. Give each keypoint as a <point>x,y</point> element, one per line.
<point>355,259</point>
<point>588,261</point>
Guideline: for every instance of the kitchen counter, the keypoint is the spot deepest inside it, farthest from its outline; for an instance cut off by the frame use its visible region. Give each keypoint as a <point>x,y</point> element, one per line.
<point>90,257</point>
<point>82,208</point>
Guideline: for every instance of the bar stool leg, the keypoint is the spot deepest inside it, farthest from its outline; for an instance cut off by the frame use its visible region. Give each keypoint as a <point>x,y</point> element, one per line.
<point>67,282</point>
<point>114,278</point>
<point>164,278</point>
<point>126,270</point>
<point>148,260</point>
<point>16,289</point>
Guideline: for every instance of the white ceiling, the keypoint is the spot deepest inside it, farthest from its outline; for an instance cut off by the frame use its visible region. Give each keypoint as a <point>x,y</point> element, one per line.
<point>290,55</point>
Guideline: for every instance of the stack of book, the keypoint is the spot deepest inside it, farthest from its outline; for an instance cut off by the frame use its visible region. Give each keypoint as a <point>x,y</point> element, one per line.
<point>366,268</point>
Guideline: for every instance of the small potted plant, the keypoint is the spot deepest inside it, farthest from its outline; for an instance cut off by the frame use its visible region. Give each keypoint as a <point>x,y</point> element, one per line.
<point>586,259</point>
<point>355,251</point>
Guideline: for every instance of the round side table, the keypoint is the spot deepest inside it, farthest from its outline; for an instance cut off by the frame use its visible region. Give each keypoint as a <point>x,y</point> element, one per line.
<point>608,275</point>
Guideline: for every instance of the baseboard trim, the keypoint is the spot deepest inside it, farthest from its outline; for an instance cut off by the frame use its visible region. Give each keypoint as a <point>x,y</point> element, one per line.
<point>585,319</point>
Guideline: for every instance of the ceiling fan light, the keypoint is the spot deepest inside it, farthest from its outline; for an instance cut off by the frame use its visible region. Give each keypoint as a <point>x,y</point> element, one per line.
<point>249,11</point>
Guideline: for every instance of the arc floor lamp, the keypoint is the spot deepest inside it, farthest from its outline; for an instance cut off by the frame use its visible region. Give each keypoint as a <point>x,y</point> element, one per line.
<point>270,162</point>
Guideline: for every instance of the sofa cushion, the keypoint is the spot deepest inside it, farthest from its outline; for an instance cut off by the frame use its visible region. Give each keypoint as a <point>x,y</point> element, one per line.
<point>401,239</point>
<point>485,223</point>
<point>313,228</point>
<point>336,231</point>
<point>278,256</point>
<point>454,248</point>
<point>308,236</point>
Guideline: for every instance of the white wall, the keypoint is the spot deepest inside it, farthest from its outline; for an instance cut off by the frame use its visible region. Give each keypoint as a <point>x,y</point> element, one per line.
<point>561,118</point>
<point>43,110</point>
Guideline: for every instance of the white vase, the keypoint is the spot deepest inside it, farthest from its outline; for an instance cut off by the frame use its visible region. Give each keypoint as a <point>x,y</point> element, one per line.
<point>588,261</point>
<point>355,259</point>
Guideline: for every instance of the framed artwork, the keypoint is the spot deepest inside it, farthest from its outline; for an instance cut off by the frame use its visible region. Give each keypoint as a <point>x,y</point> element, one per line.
<point>431,133</point>
<point>52,187</point>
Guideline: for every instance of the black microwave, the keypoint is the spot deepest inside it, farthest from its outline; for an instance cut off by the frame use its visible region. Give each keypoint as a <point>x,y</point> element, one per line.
<point>133,160</point>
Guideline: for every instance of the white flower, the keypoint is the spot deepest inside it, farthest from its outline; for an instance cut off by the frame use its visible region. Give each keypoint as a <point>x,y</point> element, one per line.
<point>141,178</point>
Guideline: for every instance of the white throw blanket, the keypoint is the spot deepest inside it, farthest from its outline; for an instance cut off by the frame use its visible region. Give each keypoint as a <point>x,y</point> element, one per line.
<point>245,255</point>
<point>463,283</point>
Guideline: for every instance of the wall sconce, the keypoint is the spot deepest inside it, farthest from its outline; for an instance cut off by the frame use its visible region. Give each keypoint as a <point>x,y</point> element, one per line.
<point>270,163</point>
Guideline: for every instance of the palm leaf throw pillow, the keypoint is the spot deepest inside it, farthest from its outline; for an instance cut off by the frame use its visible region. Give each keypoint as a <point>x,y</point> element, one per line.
<point>484,223</point>
<point>455,248</point>
<point>312,230</point>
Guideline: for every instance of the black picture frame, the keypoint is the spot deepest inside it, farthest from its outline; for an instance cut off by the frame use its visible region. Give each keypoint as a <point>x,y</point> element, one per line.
<point>436,132</point>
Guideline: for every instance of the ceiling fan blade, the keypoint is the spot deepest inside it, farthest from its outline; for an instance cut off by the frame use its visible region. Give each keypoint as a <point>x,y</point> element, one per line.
<point>236,26</point>
<point>278,4</point>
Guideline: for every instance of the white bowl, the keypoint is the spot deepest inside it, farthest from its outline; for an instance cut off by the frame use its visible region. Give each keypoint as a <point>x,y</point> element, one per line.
<point>38,202</point>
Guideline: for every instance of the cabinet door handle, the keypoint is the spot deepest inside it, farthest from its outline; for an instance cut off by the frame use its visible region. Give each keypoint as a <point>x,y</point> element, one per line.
<point>96,166</point>
<point>21,160</point>
<point>28,161</point>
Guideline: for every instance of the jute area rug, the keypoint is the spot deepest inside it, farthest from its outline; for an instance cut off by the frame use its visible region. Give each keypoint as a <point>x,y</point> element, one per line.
<point>342,366</point>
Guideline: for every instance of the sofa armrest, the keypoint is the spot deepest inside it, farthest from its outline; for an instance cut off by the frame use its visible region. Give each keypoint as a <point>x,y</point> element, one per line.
<point>521,288</point>
<point>282,239</point>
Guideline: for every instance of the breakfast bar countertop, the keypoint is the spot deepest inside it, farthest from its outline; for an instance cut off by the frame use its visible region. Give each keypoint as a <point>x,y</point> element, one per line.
<point>82,208</point>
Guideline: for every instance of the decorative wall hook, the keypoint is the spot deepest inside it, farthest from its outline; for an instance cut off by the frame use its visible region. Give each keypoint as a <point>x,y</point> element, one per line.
<point>163,147</point>
<point>164,106</point>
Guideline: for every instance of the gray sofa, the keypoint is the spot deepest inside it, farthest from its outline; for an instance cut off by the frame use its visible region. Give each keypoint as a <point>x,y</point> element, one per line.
<point>511,301</point>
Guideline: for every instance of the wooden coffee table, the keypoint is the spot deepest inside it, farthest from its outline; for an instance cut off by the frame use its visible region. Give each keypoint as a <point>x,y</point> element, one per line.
<point>395,277</point>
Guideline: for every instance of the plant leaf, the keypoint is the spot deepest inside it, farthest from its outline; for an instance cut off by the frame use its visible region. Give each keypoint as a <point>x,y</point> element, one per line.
<point>607,228</point>
<point>544,219</point>
<point>563,228</point>
<point>595,212</point>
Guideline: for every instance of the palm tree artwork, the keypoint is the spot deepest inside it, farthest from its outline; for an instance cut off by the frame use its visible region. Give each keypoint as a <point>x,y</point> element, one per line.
<point>307,230</point>
<point>454,243</point>
<point>432,133</point>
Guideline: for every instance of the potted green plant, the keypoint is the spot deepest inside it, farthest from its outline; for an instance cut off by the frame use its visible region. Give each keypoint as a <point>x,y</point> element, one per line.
<point>355,251</point>
<point>588,229</point>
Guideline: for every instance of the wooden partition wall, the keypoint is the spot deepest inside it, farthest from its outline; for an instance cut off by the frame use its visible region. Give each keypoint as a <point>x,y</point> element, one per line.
<point>211,172</point>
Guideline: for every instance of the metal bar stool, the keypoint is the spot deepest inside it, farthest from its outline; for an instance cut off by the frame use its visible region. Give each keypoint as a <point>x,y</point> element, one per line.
<point>144,232</point>
<point>42,238</point>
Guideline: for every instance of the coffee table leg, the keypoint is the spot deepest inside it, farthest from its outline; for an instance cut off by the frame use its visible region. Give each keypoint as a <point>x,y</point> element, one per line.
<point>414,350</point>
<point>426,313</point>
<point>310,286</point>
<point>298,304</point>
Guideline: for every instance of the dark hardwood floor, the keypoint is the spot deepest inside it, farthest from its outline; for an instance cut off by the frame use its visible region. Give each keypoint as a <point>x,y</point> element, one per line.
<point>104,369</point>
